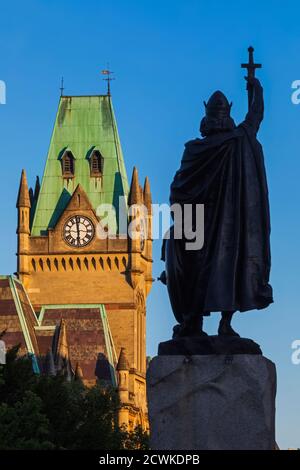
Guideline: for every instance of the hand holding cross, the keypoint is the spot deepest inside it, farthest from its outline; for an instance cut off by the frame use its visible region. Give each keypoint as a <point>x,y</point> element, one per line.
<point>251,67</point>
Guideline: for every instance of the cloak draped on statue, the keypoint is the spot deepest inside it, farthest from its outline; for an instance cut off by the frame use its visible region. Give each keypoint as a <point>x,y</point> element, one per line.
<point>226,173</point>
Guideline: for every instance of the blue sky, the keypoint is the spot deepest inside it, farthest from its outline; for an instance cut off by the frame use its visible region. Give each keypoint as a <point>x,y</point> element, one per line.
<point>168,56</point>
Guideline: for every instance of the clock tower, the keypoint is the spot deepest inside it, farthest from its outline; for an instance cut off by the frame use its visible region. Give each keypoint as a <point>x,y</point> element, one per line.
<point>88,292</point>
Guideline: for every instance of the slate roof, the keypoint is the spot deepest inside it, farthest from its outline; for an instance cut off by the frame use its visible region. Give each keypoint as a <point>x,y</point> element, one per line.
<point>76,335</point>
<point>87,336</point>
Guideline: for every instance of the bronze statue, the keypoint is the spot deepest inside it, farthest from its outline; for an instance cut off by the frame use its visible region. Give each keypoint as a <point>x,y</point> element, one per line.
<point>224,171</point>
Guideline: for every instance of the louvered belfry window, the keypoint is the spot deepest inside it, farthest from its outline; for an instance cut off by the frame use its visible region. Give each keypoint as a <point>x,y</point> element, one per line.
<point>96,164</point>
<point>68,165</point>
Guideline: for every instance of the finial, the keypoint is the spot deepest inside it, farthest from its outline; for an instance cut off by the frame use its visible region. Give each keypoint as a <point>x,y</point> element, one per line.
<point>147,195</point>
<point>23,195</point>
<point>122,362</point>
<point>78,372</point>
<point>135,192</point>
<point>62,86</point>
<point>108,78</point>
<point>37,188</point>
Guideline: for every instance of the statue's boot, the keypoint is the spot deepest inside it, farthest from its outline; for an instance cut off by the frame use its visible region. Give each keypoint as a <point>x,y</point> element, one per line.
<point>191,327</point>
<point>225,328</point>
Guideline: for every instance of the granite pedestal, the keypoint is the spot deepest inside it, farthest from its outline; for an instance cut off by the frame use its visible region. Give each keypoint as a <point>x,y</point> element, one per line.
<point>211,402</point>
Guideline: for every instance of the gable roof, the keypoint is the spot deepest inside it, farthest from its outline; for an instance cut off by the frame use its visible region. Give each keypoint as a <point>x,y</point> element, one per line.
<point>78,333</point>
<point>82,123</point>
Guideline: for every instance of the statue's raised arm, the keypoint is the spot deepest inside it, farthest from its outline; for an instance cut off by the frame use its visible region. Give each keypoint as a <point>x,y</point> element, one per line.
<point>255,113</point>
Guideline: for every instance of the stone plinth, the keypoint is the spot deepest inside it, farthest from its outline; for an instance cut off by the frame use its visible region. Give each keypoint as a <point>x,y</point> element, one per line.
<point>204,345</point>
<point>213,402</point>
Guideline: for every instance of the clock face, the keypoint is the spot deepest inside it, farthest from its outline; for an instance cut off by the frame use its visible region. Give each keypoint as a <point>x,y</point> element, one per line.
<point>78,231</point>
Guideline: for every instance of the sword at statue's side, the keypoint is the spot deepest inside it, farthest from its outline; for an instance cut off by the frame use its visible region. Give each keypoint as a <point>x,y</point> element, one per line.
<point>251,67</point>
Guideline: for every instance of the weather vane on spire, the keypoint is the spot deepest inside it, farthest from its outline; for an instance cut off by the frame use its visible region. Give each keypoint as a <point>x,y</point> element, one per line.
<point>108,78</point>
<point>62,86</point>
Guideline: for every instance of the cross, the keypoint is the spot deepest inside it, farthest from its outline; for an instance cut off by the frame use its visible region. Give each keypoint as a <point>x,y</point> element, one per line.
<point>108,79</point>
<point>251,67</point>
<point>62,86</point>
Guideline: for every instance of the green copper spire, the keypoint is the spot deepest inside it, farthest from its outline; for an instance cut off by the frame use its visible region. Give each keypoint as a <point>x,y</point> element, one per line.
<point>83,124</point>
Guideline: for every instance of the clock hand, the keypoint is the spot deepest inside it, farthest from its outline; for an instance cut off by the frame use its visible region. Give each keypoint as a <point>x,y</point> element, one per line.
<point>78,230</point>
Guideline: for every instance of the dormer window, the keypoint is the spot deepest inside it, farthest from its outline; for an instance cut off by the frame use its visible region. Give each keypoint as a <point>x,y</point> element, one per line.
<point>96,164</point>
<point>68,165</point>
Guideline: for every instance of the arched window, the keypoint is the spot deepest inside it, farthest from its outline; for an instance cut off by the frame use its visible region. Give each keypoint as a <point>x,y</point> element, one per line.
<point>68,165</point>
<point>96,163</point>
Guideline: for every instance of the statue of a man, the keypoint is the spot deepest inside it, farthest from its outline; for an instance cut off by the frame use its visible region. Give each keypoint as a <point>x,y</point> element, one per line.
<point>224,171</point>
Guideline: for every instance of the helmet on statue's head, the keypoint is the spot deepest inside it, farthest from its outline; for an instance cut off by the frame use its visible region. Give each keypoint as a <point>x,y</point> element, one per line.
<point>218,105</point>
<point>217,115</point>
